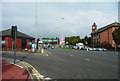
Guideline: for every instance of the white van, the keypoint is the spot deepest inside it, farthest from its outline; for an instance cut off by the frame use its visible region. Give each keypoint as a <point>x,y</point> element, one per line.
<point>79,45</point>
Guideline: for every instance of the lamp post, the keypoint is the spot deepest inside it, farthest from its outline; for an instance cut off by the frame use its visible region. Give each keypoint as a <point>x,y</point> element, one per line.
<point>36,24</point>
<point>62,31</point>
<point>62,26</point>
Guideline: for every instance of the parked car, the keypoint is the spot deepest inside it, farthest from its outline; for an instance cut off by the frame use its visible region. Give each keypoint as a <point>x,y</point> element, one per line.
<point>90,49</point>
<point>104,49</point>
<point>94,49</point>
<point>79,45</point>
<point>100,49</point>
<point>87,48</point>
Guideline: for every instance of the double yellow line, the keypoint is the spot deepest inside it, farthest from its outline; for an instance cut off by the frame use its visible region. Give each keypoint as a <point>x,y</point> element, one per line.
<point>27,65</point>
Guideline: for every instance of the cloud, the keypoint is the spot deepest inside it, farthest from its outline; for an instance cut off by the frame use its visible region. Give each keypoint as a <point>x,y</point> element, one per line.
<point>60,0</point>
<point>77,21</point>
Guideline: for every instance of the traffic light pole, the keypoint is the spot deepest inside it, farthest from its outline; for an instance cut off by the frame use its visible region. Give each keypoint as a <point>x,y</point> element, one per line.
<point>14,35</point>
<point>15,49</point>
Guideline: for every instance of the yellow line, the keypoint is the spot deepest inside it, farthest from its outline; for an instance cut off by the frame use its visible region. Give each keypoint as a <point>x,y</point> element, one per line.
<point>34,70</point>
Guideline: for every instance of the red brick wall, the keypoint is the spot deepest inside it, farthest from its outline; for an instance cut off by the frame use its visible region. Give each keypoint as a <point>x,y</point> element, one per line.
<point>106,36</point>
<point>8,46</point>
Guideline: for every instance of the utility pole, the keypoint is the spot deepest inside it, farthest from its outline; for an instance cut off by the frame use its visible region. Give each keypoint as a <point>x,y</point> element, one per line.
<point>62,30</point>
<point>14,35</point>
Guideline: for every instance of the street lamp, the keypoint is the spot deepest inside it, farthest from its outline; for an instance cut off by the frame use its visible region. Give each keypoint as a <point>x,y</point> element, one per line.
<point>62,26</point>
<point>62,31</point>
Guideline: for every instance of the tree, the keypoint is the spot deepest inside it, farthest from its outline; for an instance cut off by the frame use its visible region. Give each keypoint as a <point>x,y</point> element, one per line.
<point>45,38</point>
<point>52,38</point>
<point>72,40</point>
<point>116,36</point>
<point>86,39</point>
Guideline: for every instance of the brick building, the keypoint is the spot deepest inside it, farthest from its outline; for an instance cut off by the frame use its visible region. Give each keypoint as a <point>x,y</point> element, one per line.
<point>104,34</point>
<point>21,41</point>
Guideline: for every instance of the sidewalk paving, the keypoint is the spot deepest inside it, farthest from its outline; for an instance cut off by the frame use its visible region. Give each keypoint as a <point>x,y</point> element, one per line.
<point>12,72</point>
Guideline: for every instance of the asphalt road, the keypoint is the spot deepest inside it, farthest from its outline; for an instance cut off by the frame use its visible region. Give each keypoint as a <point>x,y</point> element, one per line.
<point>73,64</point>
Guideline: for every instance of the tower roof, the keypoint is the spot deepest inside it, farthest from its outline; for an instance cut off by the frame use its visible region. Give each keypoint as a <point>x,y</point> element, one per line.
<point>94,24</point>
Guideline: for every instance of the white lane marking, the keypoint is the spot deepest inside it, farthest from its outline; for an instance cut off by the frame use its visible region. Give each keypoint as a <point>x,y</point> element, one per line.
<point>87,59</point>
<point>34,74</point>
<point>49,52</point>
<point>47,78</point>
<point>41,76</point>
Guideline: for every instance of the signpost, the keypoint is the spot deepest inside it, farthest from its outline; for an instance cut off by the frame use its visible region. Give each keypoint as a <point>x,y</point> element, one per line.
<point>14,35</point>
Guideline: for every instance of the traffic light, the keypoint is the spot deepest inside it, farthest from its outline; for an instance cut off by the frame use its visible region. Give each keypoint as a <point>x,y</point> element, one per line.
<point>14,31</point>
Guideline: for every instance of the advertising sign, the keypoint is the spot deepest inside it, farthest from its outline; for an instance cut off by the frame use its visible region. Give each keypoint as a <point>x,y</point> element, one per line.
<point>62,40</point>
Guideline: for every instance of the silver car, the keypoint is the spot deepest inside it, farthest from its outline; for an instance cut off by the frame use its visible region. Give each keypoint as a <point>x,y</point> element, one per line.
<point>94,49</point>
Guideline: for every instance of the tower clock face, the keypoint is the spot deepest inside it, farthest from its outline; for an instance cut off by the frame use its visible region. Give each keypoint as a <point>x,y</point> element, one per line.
<point>93,27</point>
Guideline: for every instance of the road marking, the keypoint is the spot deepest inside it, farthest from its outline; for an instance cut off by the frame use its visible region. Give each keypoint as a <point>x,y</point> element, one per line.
<point>34,74</point>
<point>87,59</point>
<point>41,76</point>
<point>48,52</point>
<point>47,78</point>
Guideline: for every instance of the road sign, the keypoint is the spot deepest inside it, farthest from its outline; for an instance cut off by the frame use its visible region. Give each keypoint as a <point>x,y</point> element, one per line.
<point>3,42</point>
<point>49,40</point>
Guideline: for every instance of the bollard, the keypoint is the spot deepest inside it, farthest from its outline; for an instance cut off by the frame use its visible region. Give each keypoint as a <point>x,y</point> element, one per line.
<point>42,51</point>
<point>87,50</point>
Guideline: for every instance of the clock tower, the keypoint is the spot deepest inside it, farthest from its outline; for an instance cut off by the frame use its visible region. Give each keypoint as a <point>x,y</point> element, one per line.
<point>94,27</point>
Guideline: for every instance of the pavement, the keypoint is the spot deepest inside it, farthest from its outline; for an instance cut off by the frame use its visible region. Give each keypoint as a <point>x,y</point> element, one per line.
<point>13,72</point>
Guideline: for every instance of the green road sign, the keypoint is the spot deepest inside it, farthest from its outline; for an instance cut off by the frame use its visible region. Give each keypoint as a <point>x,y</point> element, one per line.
<point>49,40</point>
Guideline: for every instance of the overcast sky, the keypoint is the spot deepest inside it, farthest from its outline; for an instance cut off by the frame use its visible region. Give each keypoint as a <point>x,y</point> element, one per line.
<point>78,17</point>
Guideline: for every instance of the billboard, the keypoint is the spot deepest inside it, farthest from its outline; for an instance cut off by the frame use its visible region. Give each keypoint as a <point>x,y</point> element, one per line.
<point>62,40</point>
